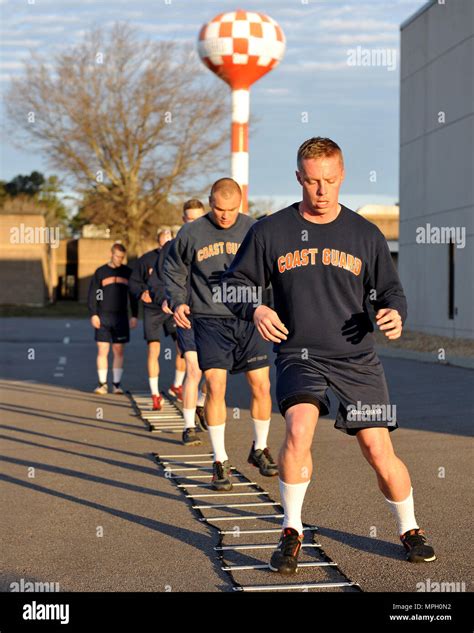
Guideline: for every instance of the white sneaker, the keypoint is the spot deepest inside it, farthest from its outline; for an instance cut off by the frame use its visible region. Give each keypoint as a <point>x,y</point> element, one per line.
<point>101,389</point>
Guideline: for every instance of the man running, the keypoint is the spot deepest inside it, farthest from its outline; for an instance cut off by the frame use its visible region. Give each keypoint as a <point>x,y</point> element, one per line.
<point>193,397</point>
<point>323,261</point>
<point>108,310</point>
<point>154,319</point>
<point>201,252</point>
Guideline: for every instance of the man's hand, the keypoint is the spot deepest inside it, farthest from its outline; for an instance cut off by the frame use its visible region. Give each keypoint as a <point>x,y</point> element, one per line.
<point>269,325</point>
<point>133,323</point>
<point>146,297</point>
<point>389,322</point>
<point>95,321</point>
<point>165,307</point>
<point>180,317</point>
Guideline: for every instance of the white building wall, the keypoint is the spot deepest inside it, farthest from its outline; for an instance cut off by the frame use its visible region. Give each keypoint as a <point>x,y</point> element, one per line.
<point>437,163</point>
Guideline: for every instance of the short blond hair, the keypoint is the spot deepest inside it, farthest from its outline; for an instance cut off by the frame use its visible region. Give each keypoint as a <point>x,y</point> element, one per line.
<point>226,187</point>
<point>318,147</point>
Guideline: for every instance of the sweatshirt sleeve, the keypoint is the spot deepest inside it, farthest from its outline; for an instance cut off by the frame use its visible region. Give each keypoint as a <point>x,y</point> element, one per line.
<point>156,281</point>
<point>249,269</point>
<point>92,302</point>
<point>176,271</point>
<point>133,304</point>
<point>137,281</point>
<point>384,279</point>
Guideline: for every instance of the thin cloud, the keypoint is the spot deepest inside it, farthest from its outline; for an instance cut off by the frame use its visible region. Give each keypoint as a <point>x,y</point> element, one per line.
<point>356,25</point>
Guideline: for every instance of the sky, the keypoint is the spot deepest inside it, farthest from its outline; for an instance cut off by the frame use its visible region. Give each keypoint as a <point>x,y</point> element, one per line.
<point>317,90</point>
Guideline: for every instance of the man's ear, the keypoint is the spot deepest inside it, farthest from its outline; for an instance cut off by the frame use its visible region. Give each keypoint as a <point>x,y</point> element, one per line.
<point>298,177</point>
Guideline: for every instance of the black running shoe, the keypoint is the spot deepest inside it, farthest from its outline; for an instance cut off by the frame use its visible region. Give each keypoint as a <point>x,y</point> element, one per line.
<point>418,550</point>
<point>263,461</point>
<point>190,437</point>
<point>285,558</point>
<point>201,419</point>
<point>221,476</point>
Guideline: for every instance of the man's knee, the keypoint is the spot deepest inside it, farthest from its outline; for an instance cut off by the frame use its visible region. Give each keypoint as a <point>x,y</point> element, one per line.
<point>154,348</point>
<point>378,452</point>
<point>298,436</point>
<point>193,371</point>
<point>216,385</point>
<point>260,388</point>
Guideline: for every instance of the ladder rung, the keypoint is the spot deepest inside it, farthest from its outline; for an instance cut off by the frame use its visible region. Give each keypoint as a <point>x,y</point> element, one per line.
<point>308,585</point>
<point>261,546</point>
<point>227,494</point>
<point>157,455</point>
<point>250,483</point>
<point>242,567</point>
<point>269,531</point>
<point>177,470</point>
<point>245,518</point>
<point>195,462</point>
<point>236,505</point>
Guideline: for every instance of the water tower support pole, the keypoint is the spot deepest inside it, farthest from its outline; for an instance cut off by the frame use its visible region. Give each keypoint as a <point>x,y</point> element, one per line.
<point>240,142</point>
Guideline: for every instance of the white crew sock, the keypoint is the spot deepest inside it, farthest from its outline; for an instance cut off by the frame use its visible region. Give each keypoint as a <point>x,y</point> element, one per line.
<point>404,512</point>
<point>260,433</point>
<point>102,375</point>
<point>153,382</point>
<point>117,372</point>
<point>201,398</point>
<point>292,497</point>
<point>189,418</point>
<point>178,378</point>
<point>216,435</point>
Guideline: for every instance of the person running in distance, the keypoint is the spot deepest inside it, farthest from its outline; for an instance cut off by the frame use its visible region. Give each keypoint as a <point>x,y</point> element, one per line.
<point>108,301</point>
<point>154,319</point>
<point>193,397</point>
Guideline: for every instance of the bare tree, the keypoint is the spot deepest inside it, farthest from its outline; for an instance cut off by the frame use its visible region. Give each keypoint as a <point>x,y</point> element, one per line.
<point>133,122</point>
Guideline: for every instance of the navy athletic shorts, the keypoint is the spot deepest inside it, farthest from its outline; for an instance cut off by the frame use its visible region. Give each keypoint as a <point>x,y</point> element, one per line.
<point>153,321</point>
<point>114,328</point>
<point>186,341</point>
<point>229,343</point>
<point>358,382</point>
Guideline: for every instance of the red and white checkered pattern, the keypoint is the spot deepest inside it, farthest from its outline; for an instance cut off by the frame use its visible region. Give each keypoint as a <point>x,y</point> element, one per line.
<point>241,46</point>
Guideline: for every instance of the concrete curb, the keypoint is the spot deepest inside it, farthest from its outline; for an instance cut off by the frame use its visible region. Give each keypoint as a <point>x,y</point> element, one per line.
<point>426,357</point>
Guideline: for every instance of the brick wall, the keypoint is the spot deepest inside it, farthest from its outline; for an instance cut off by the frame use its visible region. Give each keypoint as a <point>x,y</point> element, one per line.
<point>25,269</point>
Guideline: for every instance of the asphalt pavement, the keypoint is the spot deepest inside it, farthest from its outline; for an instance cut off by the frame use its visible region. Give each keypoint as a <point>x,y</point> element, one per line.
<point>84,504</point>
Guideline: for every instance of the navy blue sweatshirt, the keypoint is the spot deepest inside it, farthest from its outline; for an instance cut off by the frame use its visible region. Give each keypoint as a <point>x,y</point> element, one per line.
<point>109,291</point>
<point>321,275</point>
<point>201,252</point>
<point>156,282</point>
<point>143,272</point>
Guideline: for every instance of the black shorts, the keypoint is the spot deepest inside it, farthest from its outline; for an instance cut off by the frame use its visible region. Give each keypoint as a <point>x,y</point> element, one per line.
<point>229,343</point>
<point>153,321</point>
<point>358,382</point>
<point>114,328</point>
<point>186,341</point>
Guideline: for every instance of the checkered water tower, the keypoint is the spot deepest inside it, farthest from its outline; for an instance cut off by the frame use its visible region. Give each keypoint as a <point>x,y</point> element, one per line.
<point>240,47</point>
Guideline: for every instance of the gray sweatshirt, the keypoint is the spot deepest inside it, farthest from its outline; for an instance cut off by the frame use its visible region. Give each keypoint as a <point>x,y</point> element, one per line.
<point>202,252</point>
